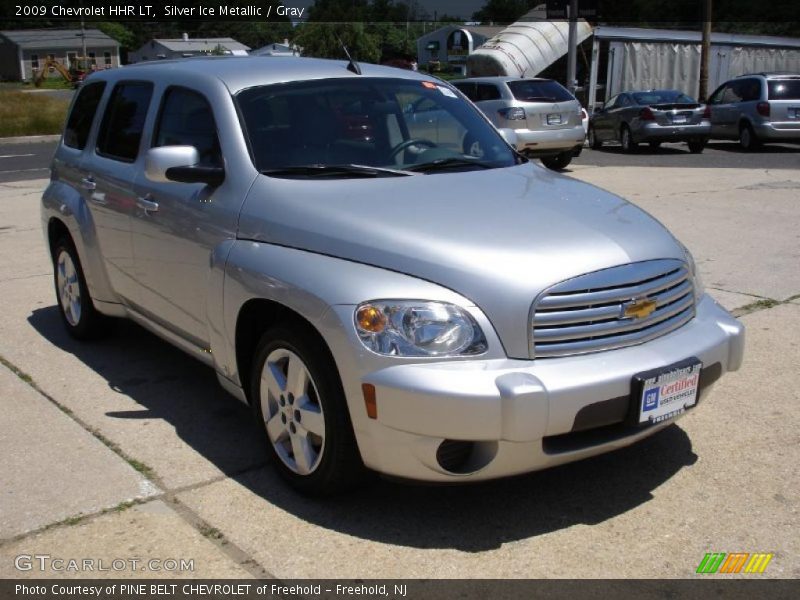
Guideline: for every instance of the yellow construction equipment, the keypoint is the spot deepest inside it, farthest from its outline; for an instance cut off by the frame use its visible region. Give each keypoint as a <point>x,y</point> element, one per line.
<point>72,77</point>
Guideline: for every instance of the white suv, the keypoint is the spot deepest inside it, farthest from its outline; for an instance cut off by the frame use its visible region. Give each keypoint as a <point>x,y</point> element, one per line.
<point>545,116</point>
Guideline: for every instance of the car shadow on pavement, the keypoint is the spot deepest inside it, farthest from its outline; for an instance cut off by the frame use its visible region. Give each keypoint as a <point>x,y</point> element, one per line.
<point>765,149</point>
<point>646,149</point>
<point>170,385</point>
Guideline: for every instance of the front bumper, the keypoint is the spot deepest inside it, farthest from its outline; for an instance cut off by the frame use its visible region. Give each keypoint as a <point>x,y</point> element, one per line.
<point>653,132</point>
<point>524,415</point>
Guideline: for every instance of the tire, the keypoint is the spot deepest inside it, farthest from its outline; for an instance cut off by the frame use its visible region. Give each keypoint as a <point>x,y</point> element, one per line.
<point>559,161</point>
<point>654,145</point>
<point>697,146</point>
<point>626,139</point>
<point>594,143</point>
<point>299,403</point>
<point>75,305</point>
<point>748,140</point>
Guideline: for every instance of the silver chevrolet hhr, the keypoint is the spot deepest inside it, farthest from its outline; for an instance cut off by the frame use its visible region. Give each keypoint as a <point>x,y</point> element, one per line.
<point>325,237</point>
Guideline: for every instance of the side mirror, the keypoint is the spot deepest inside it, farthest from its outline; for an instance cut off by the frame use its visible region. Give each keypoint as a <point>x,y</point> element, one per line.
<point>599,107</point>
<point>510,136</point>
<point>179,163</point>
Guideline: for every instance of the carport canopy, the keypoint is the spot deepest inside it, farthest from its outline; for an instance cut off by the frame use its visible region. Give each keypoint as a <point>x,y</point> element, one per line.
<point>524,49</point>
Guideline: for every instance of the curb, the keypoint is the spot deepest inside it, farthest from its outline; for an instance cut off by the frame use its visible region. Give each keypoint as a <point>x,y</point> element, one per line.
<point>30,139</point>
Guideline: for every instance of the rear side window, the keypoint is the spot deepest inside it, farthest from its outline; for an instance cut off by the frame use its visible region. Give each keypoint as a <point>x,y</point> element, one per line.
<point>487,91</point>
<point>539,91</point>
<point>80,119</point>
<point>749,90</point>
<point>186,119</point>
<point>468,89</point>
<point>784,89</point>
<point>123,122</point>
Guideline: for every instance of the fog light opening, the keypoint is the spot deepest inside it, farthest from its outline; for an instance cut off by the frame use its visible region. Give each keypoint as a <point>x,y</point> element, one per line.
<point>462,457</point>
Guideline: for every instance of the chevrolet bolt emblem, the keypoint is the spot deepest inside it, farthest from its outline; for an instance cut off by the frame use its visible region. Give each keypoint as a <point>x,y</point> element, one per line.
<point>638,309</point>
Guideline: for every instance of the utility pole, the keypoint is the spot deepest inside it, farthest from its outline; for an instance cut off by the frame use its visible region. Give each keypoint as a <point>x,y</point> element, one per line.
<point>572,58</point>
<point>705,52</point>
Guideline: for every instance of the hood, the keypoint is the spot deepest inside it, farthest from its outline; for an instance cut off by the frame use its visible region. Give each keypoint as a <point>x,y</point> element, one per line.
<point>499,237</point>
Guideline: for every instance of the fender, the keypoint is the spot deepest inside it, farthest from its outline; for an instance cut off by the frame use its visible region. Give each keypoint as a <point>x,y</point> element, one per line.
<point>319,288</point>
<point>62,202</point>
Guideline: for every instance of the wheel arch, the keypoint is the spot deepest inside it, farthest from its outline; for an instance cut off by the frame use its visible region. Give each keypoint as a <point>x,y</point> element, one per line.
<point>56,229</point>
<point>64,211</point>
<point>256,316</point>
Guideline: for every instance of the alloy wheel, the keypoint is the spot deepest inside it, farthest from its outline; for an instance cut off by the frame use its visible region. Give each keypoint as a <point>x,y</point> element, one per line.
<point>69,289</point>
<point>292,412</point>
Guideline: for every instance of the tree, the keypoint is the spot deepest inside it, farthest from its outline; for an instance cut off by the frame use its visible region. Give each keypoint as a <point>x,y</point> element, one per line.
<point>322,40</point>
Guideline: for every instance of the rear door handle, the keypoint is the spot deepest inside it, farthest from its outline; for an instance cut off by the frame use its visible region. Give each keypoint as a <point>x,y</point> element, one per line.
<point>146,204</point>
<point>88,183</point>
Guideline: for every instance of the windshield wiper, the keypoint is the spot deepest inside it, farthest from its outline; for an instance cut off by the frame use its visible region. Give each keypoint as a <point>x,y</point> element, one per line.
<point>447,163</point>
<point>334,171</point>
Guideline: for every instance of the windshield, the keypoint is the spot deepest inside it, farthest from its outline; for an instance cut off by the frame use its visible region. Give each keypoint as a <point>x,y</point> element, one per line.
<point>534,90</point>
<point>332,127</point>
<point>662,97</point>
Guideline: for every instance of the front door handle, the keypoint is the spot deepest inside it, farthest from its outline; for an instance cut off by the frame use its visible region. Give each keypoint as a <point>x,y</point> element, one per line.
<point>88,183</point>
<point>146,204</point>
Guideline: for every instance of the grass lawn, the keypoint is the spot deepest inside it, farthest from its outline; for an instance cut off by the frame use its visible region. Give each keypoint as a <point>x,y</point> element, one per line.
<point>24,113</point>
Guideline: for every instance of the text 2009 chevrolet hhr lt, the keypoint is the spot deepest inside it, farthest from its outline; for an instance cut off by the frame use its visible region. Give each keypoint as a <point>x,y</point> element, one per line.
<point>362,257</point>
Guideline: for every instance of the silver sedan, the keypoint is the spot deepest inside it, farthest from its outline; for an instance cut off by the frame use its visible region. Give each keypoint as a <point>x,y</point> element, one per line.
<point>654,117</point>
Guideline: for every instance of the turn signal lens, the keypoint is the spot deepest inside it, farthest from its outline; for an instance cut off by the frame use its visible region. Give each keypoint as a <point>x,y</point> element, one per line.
<point>370,318</point>
<point>370,401</point>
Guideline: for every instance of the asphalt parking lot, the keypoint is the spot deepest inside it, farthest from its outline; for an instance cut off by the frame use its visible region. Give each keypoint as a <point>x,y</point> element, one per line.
<point>127,448</point>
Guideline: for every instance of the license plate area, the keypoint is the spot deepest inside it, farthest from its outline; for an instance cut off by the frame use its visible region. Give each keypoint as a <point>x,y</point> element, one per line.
<point>794,112</point>
<point>662,394</point>
<point>554,119</point>
<point>679,119</point>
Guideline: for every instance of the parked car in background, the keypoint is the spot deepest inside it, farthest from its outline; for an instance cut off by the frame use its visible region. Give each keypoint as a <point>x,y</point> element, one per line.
<point>756,109</point>
<point>653,116</point>
<point>544,115</point>
<point>323,237</point>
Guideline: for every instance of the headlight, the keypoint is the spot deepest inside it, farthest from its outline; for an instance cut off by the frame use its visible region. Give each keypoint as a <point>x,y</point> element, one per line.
<point>699,288</point>
<point>418,328</point>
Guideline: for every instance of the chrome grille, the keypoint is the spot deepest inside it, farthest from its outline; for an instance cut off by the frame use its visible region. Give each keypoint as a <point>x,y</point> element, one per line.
<point>585,314</point>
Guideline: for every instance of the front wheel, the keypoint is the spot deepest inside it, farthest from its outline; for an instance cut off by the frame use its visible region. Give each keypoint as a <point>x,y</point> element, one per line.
<point>559,161</point>
<point>74,302</point>
<point>299,402</point>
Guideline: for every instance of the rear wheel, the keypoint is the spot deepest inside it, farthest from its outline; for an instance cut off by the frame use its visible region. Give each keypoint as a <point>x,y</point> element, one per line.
<point>74,302</point>
<point>299,402</point>
<point>748,140</point>
<point>697,146</point>
<point>626,138</point>
<point>594,143</point>
<point>559,161</point>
